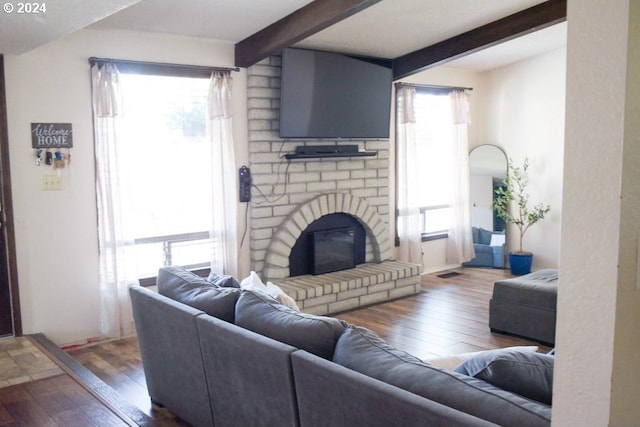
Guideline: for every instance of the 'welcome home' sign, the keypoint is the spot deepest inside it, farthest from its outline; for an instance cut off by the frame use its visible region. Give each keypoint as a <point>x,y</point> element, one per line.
<point>51,135</point>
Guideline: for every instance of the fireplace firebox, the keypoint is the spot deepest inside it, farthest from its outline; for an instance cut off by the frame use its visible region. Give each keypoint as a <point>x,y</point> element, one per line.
<point>331,243</point>
<point>333,250</point>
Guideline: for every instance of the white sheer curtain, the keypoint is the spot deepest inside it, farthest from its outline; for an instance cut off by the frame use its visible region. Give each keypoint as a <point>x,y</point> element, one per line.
<point>224,219</point>
<point>460,241</point>
<point>117,269</point>
<point>409,219</point>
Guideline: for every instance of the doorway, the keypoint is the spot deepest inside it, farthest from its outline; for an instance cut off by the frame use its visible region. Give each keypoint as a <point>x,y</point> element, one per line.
<point>10,322</point>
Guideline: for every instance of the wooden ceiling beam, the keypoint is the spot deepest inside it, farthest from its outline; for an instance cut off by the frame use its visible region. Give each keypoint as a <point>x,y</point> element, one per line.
<point>302,23</point>
<point>526,21</point>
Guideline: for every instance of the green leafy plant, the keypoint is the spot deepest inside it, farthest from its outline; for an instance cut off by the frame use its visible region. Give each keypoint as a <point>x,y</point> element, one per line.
<point>514,191</point>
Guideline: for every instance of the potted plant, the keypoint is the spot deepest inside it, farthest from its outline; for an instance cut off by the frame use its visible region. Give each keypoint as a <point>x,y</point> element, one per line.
<point>522,216</point>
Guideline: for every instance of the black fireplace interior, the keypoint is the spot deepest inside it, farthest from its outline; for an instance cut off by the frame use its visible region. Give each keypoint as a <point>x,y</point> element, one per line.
<point>331,243</point>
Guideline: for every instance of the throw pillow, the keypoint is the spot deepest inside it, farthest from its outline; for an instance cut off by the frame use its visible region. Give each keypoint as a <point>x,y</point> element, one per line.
<point>363,351</point>
<point>263,314</point>
<point>224,281</point>
<point>188,288</point>
<point>450,362</point>
<point>525,373</point>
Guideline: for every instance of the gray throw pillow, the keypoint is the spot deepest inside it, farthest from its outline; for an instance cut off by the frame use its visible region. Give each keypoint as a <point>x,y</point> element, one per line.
<point>526,373</point>
<point>362,350</point>
<point>188,288</point>
<point>223,281</point>
<point>265,315</point>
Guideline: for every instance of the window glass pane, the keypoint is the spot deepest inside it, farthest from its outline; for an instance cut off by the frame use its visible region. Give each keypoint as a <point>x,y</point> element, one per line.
<point>165,162</point>
<point>434,133</point>
<point>437,220</point>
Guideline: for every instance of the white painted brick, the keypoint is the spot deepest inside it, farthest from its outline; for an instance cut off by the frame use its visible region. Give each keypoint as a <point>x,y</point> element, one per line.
<point>304,177</point>
<point>377,182</point>
<point>318,310</point>
<point>299,197</point>
<point>262,135</point>
<point>261,233</point>
<point>324,207</point>
<point>259,92</point>
<point>265,212</point>
<point>382,144</point>
<point>264,70</point>
<point>331,202</point>
<point>307,213</point>
<point>351,165</point>
<point>268,222</point>
<point>257,245</point>
<point>262,179</point>
<point>263,158</point>
<point>328,176</point>
<point>258,81</point>
<point>321,186</point>
<point>377,164</point>
<point>374,298</point>
<point>263,114</point>
<point>364,173</point>
<point>403,292</point>
<point>321,166</point>
<point>352,183</point>
<point>258,103</point>
<point>259,168</point>
<point>259,125</point>
<point>344,305</point>
<point>283,210</point>
<point>315,208</point>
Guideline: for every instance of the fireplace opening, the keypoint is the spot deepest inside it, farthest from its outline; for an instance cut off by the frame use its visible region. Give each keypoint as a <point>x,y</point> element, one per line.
<point>333,250</point>
<point>333,242</point>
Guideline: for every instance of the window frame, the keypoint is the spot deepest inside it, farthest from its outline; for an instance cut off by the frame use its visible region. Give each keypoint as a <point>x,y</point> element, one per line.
<point>168,70</point>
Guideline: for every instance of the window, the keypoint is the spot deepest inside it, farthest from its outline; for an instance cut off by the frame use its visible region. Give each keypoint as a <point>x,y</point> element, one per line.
<point>164,159</point>
<point>433,115</point>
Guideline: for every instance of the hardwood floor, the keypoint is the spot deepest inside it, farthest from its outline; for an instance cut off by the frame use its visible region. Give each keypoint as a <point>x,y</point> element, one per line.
<point>56,401</point>
<point>449,316</point>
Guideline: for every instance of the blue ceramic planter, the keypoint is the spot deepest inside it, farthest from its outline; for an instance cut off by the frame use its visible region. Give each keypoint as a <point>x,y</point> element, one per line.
<point>520,263</point>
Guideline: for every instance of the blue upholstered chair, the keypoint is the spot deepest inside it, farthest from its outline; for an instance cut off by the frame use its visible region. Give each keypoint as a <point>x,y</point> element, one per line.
<point>489,247</point>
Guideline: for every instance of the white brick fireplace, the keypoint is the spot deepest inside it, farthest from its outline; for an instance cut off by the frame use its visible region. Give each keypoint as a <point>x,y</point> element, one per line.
<point>285,188</point>
<point>288,195</point>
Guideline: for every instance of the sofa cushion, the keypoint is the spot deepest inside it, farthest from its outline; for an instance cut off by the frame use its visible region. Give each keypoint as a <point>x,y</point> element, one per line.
<point>263,314</point>
<point>529,374</point>
<point>223,281</point>
<point>484,236</point>
<point>188,288</point>
<point>363,351</point>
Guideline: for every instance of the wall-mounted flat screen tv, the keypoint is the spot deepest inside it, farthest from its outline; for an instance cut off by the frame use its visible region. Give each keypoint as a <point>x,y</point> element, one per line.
<point>331,95</point>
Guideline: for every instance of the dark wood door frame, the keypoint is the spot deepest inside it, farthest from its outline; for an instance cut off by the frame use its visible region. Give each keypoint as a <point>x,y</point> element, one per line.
<point>11,267</point>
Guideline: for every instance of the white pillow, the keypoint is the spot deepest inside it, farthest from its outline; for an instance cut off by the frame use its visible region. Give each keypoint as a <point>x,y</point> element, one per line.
<point>497,239</point>
<point>450,362</point>
<point>254,283</point>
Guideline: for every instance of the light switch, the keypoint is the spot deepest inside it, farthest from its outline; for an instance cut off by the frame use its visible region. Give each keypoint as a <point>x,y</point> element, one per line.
<point>51,183</point>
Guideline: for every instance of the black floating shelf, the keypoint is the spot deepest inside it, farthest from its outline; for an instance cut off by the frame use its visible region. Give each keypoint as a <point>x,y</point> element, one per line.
<point>320,155</point>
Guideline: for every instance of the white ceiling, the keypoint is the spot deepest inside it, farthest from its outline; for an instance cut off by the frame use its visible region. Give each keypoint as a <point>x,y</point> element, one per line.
<point>387,29</point>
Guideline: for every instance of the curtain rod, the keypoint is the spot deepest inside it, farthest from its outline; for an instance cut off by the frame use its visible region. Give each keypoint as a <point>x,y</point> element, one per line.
<point>94,60</point>
<point>437,87</point>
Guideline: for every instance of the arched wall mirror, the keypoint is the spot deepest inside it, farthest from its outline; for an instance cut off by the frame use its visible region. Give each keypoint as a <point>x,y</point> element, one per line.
<point>487,171</point>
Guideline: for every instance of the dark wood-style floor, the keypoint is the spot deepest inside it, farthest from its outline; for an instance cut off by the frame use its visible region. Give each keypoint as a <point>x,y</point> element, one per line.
<point>449,316</point>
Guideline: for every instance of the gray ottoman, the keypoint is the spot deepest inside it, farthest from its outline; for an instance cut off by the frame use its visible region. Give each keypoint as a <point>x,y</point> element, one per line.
<point>526,306</point>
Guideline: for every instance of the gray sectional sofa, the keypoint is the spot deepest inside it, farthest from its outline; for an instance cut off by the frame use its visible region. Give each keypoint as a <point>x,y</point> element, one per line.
<point>267,365</point>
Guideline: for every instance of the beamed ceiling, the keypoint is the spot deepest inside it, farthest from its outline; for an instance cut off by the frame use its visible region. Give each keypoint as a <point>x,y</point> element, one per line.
<point>413,34</point>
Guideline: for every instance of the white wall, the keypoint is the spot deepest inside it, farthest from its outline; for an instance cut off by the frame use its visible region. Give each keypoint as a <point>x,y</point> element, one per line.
<point>523,113</point>
<point>597,364</point>
<point>56,232</point>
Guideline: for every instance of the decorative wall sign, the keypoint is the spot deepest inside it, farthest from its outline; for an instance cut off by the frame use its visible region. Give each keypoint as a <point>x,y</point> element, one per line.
<point>51,135</point>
